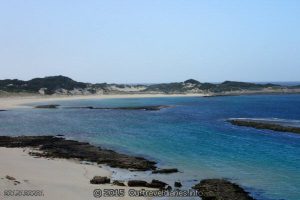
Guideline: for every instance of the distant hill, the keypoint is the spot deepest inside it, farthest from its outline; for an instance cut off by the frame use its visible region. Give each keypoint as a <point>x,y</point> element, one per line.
<point>49,84</point>
<point>198,87</point>
<point>67,86</point>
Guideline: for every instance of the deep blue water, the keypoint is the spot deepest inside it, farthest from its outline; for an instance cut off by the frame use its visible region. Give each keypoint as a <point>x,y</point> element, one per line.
<point>192,136</point>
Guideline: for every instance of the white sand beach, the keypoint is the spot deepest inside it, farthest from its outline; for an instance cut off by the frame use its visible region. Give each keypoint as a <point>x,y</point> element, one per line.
<point>10,102</point>
<point>56,178</point>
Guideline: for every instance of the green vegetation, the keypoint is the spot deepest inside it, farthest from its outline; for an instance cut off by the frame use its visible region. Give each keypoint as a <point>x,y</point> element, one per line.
<point>236,86</point>
<point>50,84</point>
<point>190,84</point>
<point>53,83</point>
<point>166,88</point>
<point>62,84</point>
<point>192,81</point>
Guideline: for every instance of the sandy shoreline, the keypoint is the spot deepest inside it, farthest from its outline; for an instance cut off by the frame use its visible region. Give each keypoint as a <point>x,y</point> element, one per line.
<point>64,178</point>
<point>56,178</point>
<point>11,102</point>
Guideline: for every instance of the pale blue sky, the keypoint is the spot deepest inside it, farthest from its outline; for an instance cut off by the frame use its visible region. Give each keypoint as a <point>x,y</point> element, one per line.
<point>151,41</point>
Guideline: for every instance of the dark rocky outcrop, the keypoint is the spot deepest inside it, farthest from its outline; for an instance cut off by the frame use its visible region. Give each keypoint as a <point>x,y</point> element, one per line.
<point>80,107</point>
<point>264,125</point>
<point>165,171</point>
<point>100,180</point>
<point>220,189</point>
<point>169,188</point>
<point>137,183</point>
<point>16,182</point>
<point>57,147</point>
<point>50,106</point>
<point>157,184</point>
<point>177,184</point>
<point>10,178</point>
<point>153,184</point>
<point>146,108</point>
<point>118,183</point>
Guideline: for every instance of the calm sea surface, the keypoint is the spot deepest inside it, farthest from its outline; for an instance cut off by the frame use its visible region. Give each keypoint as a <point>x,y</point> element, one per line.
<point>192,136</point>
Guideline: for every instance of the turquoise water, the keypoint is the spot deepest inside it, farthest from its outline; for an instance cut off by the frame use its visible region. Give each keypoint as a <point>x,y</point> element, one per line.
<point>192,136</point>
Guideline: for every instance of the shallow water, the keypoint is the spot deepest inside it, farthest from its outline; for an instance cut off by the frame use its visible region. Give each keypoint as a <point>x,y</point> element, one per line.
<point>192,136</point>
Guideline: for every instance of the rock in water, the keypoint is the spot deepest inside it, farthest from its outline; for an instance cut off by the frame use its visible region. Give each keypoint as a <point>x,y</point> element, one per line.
<point>220,189</point>
<point>165,171</point>
<point>146,108</point>
<point>51,106</point>
<point>100,180</point>
<point>177,184</point>
<point>274,126</point>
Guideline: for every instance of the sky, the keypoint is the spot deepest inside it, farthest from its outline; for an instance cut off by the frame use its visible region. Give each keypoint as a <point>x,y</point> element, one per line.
<point>151,41</point>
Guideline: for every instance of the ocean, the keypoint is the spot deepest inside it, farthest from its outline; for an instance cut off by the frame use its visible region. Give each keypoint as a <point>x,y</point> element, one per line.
<point>192,135</point>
